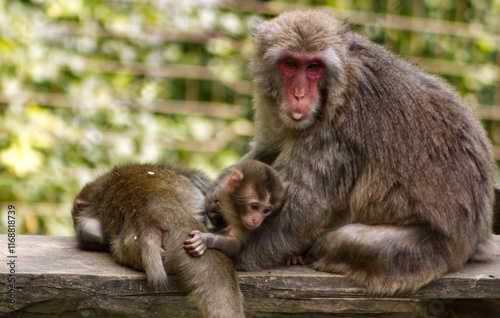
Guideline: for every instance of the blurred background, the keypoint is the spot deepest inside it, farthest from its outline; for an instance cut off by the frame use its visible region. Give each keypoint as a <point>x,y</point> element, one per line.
<point>87,84</point>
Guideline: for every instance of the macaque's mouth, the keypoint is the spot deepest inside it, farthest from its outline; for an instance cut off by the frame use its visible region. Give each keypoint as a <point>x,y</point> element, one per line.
<point>298,117</point>
<point>250,226</point>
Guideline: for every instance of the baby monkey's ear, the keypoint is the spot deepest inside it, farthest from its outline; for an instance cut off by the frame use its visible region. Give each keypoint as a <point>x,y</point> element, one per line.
<point>234,181</point>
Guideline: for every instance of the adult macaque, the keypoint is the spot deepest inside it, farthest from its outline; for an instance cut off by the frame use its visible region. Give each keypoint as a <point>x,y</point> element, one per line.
<point>252,192</point>
<point>141,213</point>
<point>391,176</point>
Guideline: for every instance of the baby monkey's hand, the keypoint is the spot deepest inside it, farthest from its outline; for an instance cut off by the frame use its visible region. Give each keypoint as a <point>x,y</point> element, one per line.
<point>196,246</point>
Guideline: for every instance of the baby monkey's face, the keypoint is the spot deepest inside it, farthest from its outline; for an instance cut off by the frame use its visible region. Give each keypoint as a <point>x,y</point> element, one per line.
<point>256,211</point>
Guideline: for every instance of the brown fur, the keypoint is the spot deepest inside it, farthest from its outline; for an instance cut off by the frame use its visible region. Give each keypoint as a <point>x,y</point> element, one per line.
<point>252,183</point>
<point>392,165</point>
<point>259,179</point>
<point>142,214</point>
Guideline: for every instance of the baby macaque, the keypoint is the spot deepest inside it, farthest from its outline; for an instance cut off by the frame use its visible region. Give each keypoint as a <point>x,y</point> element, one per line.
<point>142,214</point>
<point>253,191</point>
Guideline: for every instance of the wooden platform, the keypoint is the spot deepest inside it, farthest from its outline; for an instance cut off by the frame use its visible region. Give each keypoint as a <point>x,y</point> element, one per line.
<point>53,278</point>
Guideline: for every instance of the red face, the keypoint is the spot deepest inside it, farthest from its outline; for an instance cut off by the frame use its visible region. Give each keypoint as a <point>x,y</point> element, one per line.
<point>301,74</point>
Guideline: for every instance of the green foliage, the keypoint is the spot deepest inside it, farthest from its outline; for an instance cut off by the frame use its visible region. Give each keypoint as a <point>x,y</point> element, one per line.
<point>85,85</point>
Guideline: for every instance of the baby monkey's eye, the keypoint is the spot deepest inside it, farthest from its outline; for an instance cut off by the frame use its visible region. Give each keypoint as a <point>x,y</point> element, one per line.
<point>254,207</point>
<point>266,211</point>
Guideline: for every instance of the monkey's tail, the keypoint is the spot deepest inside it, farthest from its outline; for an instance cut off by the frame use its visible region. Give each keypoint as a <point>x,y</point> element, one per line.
<point>387,259</point>
<point>210,279</point>
<point>152,260</point>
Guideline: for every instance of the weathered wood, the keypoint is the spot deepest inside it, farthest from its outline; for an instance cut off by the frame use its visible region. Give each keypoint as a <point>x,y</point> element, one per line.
<point>54,278</point>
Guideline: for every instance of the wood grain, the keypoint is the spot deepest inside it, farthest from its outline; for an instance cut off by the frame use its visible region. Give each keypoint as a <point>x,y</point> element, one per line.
<point>55,278</point>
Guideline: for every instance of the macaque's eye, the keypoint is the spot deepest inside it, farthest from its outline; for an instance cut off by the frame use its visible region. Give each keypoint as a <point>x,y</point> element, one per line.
<point>313,67</point>
<point>254,207</point>
<point>291,64</point>
<point>266,211</point>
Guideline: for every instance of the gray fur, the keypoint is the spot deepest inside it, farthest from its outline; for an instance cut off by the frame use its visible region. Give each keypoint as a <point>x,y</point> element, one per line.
<point>391,179</point>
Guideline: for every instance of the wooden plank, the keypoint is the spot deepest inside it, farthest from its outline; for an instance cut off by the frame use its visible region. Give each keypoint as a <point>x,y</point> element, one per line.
<point>485,72</point>
<point>390,21</point>
<point>147,33</point>
<point>54,277</point>
<point>488,112</point>
<point>56,31</point>
<point>496,153</point>
<point>496,208</point>
<point>212,109</point>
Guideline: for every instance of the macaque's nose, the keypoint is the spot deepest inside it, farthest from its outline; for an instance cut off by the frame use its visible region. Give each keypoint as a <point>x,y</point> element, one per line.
<point>299,96</point>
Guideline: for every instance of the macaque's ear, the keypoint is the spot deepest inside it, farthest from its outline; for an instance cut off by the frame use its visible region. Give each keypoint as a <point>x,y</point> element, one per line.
<point>234,181</point>
<point>81,204</point>
<point>284,192</point>
<point>255,27</point>
<point>286,186</point>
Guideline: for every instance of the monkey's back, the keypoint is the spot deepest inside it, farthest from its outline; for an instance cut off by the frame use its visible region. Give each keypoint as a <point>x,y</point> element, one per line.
<point>158,190</point>
<point>143,204</point>
<point>421,144</point>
